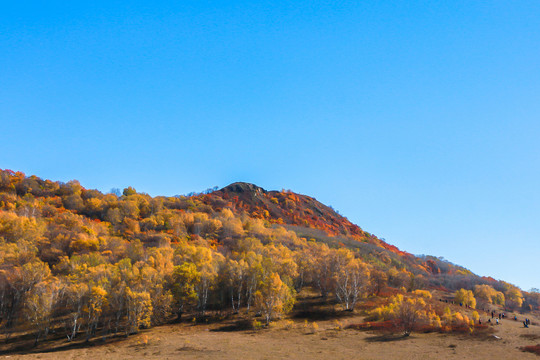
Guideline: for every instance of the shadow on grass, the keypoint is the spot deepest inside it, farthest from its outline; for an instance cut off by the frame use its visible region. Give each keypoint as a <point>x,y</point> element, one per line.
<point>530,336</point>
<point>387,338</point>
<point>322,314</point>
<point>240,325</point>
<point>28,348</point>
<point>318,309</point>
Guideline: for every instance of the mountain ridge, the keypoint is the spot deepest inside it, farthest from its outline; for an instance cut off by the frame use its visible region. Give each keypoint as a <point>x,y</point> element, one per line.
<point>302,214</point>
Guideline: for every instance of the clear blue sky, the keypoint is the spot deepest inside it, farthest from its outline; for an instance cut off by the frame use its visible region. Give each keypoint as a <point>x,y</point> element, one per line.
<point>420,121</point>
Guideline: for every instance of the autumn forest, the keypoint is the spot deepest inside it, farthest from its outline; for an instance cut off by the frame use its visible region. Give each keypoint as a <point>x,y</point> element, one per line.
<point>84,265</point>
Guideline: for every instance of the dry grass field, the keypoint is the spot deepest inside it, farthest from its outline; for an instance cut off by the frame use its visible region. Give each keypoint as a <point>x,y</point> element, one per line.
<point>296,340</point>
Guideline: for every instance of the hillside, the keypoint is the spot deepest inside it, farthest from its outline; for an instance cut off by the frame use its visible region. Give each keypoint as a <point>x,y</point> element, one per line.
<point>288,208</point>
<point>83,264</point>
<point>310,219</point>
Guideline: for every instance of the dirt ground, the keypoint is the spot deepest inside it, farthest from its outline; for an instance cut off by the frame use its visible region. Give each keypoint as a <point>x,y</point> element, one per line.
<point>220,341</point>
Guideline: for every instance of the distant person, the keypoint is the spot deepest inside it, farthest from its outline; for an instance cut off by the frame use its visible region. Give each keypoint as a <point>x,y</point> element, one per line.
<point>497,321</point>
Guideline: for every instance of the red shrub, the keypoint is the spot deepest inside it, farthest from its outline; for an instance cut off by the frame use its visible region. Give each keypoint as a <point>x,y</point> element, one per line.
<point>535,349</point>
<point>460,328</point>
<point>368,305</point>
<point>389,292</point>
<point>428,328</point>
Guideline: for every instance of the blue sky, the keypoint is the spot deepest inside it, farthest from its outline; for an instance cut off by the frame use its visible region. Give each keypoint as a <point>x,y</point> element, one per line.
<point>419,121</point>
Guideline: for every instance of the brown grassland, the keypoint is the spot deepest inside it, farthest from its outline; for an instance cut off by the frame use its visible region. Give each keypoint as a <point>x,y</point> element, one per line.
<point>312,331</point>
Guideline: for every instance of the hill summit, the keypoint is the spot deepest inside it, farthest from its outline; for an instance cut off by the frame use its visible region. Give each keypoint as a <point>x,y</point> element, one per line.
<point>243,187</point>
<point>289,208</point>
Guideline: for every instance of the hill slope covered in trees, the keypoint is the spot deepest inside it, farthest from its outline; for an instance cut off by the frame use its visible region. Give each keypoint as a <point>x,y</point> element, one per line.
<point>89,264</point>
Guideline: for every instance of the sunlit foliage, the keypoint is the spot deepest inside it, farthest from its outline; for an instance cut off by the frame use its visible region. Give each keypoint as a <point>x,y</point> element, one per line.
<point>89,264</point>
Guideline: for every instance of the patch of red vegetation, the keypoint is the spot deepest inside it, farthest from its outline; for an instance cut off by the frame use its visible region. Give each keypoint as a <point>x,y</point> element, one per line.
<point>460,328</point>
<point>392,326</point>
<point>393,249</point>
<point>432,267</point>
<point>389,291</point>
<point>440,288</point>
<point>286,207</point>
<point>373,302</point>
<point>535,349</point>
<point>428,328</point>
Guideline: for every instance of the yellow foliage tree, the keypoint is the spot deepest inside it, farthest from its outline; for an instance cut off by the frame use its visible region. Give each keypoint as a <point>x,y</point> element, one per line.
<point>186,279</point>
<point>514,297</point>
<point>465,297</point>
<point>486,295</point>
<point>40,304</point>
<point>139,308</point>
<point>422,293</point>
<point>475,316</point>
<point>76,294</point>
<point>94,309</point>
<point>351,278</point>
<point>274,297</point>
